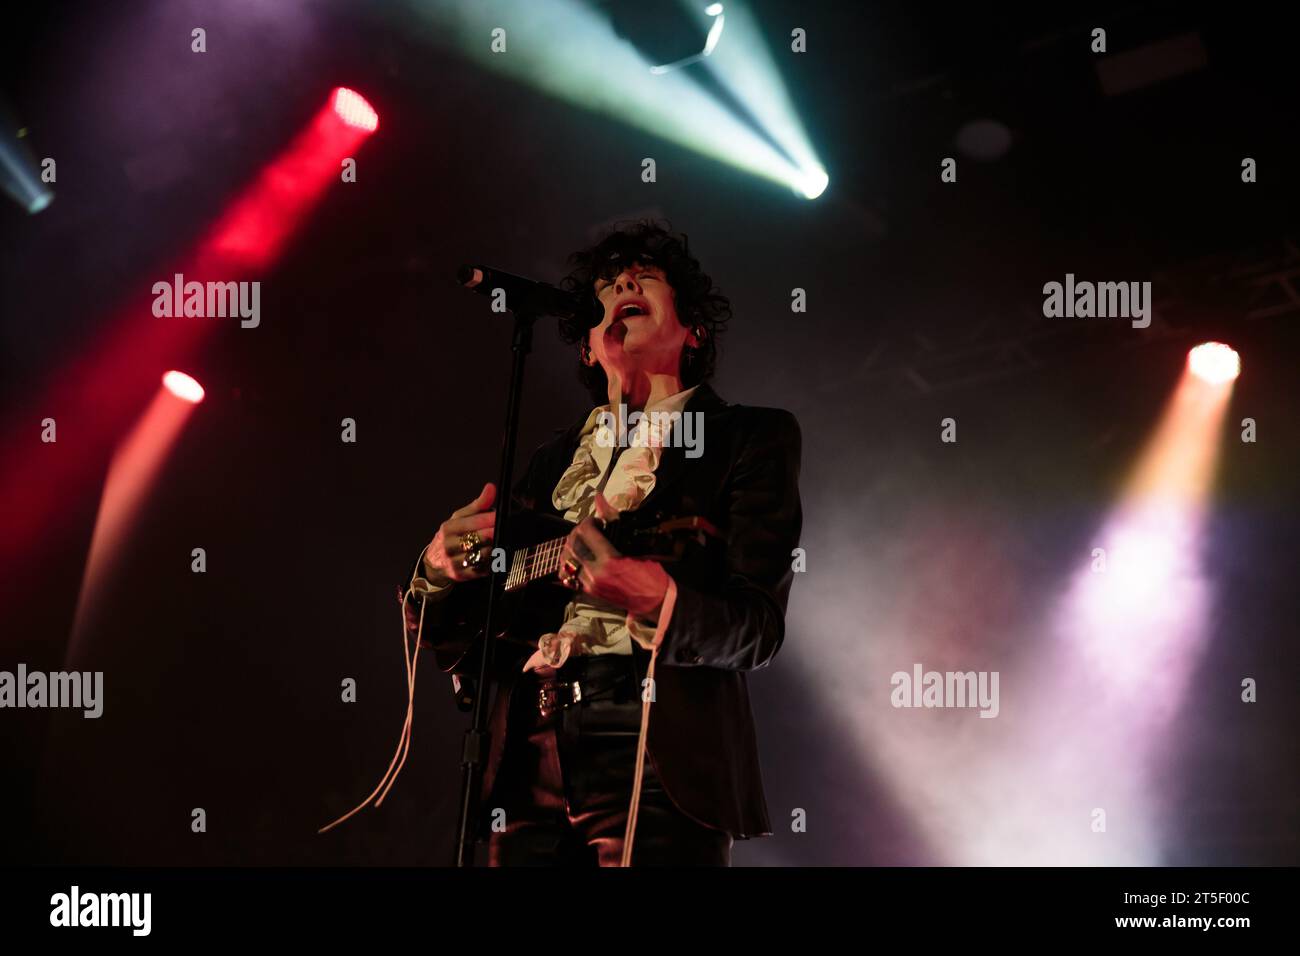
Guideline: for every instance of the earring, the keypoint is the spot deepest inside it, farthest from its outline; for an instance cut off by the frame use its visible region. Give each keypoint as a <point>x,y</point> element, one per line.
<point>586,354</point>
<point>693,351</point>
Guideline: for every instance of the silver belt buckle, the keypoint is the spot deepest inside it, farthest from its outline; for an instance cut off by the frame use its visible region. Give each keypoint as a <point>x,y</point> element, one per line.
<point>546,697</point>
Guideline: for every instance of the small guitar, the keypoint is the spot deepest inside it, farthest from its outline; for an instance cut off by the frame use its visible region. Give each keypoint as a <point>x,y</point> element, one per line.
<point>533,601</point>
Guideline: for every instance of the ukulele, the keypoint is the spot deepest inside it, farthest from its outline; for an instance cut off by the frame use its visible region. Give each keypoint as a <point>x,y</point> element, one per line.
<point>532,602</point>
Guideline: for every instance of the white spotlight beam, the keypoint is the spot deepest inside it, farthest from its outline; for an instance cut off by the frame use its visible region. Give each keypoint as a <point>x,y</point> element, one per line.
<point>569,51</point>
<point>744,65</point>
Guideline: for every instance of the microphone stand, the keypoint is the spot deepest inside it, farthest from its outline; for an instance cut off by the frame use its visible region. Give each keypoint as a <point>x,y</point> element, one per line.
<point>476,743</point>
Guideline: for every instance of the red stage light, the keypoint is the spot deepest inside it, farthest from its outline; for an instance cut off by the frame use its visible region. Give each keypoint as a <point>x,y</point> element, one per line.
<point>353,109</point>
<point>102,387</point>
<point>183,387</point>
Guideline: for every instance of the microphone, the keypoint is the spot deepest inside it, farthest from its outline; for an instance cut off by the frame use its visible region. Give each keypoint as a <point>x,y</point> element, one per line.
<point>529,295</point>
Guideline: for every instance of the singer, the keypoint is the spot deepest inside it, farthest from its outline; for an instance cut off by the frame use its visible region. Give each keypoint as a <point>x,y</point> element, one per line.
<point>565,722</point>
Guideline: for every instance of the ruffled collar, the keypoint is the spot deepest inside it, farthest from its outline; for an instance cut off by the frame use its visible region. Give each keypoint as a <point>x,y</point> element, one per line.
<point>633,477</point>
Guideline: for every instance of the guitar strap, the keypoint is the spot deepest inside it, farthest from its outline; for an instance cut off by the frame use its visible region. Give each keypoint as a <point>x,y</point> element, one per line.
<point>609,470</point>
<point>647,698</point>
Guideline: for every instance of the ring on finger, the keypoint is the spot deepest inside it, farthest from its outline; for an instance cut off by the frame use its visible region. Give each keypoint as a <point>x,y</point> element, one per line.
<point>569,572</point>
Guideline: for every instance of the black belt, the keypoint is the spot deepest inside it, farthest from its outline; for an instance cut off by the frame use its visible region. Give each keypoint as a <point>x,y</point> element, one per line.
<point>585,678</point>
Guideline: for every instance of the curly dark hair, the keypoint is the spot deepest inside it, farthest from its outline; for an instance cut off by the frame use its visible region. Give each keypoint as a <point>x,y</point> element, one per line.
<point>698,302</point>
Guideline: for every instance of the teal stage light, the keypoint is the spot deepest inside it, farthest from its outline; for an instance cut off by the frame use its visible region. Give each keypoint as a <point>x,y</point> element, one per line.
<point>571,51</point>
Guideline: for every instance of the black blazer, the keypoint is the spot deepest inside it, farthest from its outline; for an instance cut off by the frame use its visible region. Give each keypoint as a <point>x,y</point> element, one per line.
<point>729,617</point>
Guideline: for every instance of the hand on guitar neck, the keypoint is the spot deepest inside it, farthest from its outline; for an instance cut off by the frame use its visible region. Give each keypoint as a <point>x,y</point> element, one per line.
<point>444,557</point>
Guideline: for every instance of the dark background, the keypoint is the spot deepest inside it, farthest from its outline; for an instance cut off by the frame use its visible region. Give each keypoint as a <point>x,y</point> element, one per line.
<point>924,302</point>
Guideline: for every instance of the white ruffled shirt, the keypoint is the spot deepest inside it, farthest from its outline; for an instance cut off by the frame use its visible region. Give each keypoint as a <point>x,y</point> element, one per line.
<point>593,626</point>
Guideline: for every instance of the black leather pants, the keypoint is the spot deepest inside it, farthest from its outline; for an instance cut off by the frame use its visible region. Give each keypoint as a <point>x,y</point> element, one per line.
<point>565,781</point>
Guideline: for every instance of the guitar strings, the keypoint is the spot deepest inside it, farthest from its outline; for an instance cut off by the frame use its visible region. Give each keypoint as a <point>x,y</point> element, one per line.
<point>540,560</point>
